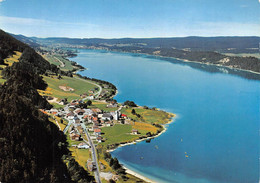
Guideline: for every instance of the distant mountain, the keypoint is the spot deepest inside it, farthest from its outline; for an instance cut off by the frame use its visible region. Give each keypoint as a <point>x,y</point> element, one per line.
<point>221,44</point>
<point>201,49</point>
<point>29,41</point>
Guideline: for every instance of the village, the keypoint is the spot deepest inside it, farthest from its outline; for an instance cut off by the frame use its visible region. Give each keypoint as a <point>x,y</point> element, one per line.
<point>84,127</point>
<point>91,119</point>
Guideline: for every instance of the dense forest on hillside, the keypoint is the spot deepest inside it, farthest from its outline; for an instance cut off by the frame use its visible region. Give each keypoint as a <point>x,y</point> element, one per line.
<point>32,148</point>
<point>8,45</point>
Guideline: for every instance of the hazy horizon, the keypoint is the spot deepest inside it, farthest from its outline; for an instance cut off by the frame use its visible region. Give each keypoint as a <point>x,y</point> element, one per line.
<point>126,37</point>
<point>130,18</point>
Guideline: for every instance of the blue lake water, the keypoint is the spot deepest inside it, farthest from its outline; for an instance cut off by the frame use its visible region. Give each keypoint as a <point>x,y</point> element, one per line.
<point>217,124</point>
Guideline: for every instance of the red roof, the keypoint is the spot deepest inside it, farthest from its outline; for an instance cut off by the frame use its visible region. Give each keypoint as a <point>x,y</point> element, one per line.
<point>80,110</point>
<point>97,130</point>
<point>70,114</point>
<point>85,117</point>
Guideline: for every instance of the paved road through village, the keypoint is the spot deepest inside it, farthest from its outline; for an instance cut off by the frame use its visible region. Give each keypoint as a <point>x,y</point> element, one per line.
<point>93,152</point>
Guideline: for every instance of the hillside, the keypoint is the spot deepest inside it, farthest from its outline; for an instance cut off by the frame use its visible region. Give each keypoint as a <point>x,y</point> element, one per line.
<point>221,44</point>
<point>32,148</point>
<point>206,50</point>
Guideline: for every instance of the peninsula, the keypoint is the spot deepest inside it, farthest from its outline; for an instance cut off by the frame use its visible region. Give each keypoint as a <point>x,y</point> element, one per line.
<point>83,109</point>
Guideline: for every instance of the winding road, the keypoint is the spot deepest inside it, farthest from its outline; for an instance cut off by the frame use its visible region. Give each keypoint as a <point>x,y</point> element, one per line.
<point>96,94</point>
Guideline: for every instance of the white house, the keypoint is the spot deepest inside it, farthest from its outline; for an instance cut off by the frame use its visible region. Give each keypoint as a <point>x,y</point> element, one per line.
<point>83,146</point>
<point>107,116</point>
<point>115,115</point>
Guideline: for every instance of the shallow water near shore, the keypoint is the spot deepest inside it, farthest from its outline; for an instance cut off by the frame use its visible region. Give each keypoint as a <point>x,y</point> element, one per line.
<point>216,135</point>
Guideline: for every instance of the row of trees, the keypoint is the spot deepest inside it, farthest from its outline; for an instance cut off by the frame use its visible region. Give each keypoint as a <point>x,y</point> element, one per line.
<point>114,163</point>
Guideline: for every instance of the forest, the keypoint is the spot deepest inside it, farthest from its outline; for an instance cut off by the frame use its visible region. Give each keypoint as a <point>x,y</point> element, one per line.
<point>32,148</point>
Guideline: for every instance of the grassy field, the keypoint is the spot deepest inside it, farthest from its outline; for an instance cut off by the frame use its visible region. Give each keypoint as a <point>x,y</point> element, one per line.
<point>79,87</point>
<point>102,106</point>
<point>13,58</point>
<point>9,61</point>
<point>148,115</point>
<point>53,59</point>
<point>1,78</point>
<point>118,133</point>
<point>62,125</point>
<point>143,128</point>
<point>57,106</point>
<point>68,65</point>
<point>81,156</point>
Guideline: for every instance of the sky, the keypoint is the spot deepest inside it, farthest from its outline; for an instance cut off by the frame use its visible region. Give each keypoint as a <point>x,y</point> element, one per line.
<point>130,18</point>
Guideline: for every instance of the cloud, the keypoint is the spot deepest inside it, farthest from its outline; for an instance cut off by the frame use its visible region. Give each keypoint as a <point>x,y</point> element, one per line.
<point>46,28</point>
<point>244,6</point>
<point>39,22</point>
<point>2,1</point>
<point>228,29</point>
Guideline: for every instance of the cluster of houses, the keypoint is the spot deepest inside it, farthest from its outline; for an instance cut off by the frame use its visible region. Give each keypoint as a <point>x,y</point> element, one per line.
<point>93,118</point>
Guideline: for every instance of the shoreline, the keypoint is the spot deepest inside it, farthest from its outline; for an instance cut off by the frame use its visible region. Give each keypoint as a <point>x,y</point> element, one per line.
<point>180,59</point>
<point>129,171</point>
<point>132,172</point>
<point>198,62</point>
<point>147,138</point>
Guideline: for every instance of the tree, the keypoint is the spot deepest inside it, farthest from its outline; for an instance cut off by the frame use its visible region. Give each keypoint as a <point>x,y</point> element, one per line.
<point>130,103</point>
<point>89,102</point>
<point>111,181</point>
<point>145,107</point>
<point>107,155</point>
<point>133,111</point>
<point>116,164</point>
<point>111,162</point>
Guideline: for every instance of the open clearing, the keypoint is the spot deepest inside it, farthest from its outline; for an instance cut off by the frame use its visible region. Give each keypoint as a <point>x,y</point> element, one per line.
<point>79,86</point>
<point>148,115</point>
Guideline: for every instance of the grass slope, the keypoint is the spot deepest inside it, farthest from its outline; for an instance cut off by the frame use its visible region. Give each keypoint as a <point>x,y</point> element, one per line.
<point>79,87</point>
<point>148,115</point>
<point>118,133</point>
<point>9,61</point>
<point>53,59</point>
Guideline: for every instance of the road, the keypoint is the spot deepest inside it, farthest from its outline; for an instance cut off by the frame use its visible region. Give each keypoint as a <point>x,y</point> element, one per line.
<point>100,88</point>
<point>61,63</point>
<point>67,127</point>
<point>93,152</point>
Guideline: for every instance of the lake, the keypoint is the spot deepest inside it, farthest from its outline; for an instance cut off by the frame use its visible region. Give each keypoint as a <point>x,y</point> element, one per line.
<point>215,137</point>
